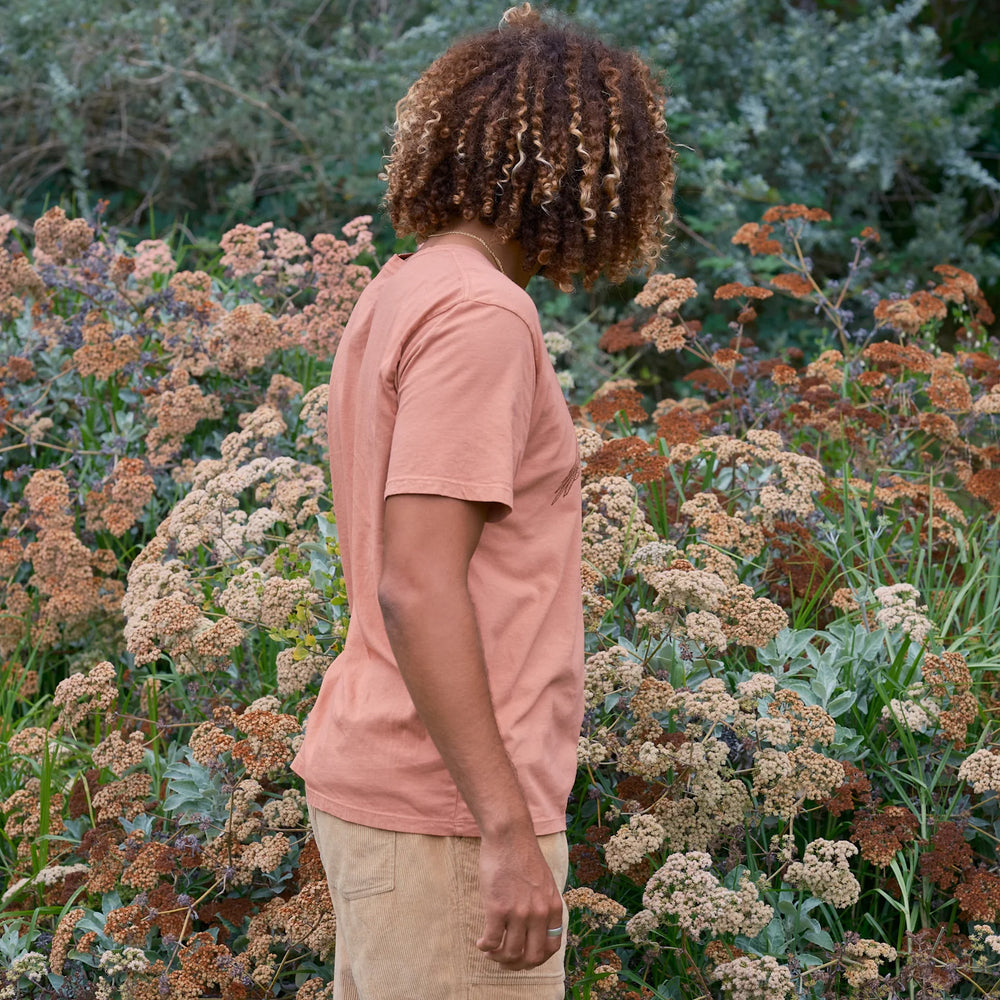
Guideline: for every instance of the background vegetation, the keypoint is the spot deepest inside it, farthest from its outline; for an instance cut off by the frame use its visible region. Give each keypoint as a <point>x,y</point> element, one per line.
<point>203,115</point>
<point>789,784</point>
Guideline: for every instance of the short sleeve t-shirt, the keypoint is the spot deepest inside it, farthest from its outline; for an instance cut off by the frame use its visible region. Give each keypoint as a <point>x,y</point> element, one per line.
<point>442,385</point>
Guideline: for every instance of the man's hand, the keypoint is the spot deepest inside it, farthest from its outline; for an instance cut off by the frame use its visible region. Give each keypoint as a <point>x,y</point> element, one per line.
<point>521,900</point>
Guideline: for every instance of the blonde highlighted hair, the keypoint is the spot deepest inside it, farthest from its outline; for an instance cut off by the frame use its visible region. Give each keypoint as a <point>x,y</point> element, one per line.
<point>545,133</point>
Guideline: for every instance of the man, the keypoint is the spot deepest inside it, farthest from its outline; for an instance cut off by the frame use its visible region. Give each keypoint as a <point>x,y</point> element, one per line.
<point>442,748</point>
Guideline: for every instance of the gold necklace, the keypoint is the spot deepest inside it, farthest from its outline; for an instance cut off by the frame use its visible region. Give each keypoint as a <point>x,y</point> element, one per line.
<point>478,239</point>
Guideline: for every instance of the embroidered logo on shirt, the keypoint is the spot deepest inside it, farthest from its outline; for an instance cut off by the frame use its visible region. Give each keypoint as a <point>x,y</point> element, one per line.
<point>562,490</point>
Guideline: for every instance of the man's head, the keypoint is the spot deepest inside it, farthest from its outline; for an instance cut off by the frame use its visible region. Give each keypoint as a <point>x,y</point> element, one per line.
<point>545,133</point>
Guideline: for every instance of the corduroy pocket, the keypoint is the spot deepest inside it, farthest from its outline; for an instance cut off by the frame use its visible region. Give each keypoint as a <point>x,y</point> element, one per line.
<point>368,862</point>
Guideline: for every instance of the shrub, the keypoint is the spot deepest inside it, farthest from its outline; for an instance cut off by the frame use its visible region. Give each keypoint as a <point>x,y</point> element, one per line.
<point>115,364</point>
<point>787,781</point>
<point>280,111</point>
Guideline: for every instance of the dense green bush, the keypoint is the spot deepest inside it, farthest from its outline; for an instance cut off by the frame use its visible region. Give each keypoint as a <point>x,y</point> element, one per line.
<point>210,113</point>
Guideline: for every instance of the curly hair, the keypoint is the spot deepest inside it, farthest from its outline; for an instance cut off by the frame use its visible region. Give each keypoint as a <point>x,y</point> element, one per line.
<point>553,138</point>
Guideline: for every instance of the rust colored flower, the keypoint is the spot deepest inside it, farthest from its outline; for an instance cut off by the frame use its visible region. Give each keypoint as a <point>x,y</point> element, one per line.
<point>81,695</point>
<point>126,925</point>
<point>126,797</point>
<point>784,375</point>
<point>782,213</point>
<point>62,940</point>
<point>614,398</point>
<point>871,379</point>
<point>795,284</point>
<point>679,425</point>
<point>940,426</point>
<point>193,289</point>
<point>855,791</point>
<point>11,556</point>
<point>726,359</point>
<point>880,835</point>
<point>305,918</point>
<point>267,744</point>
<point>588,868</point>
<point>912,313</point>
<point>118,754</point>
<point>120,500</point>
<point>734,290</point>
<point>18,279</point>
<point>170,915</point>
<point>242,252</point>
<point>177,412</point>
<point>978,895</point>
<point>895,357</point>
<point>147,870</point>
<point>985,485</point>
<point>711,380</point>
<point>950,855</point>
<point>929,307</point>
<point>666,334</point>
<point>59,240</point>
<point>870,234</point>
<point>667,292</point>
<point>898,313</point>
<point>809,723</point>
<point>620,336</point>
<point>949,390</point>
<point>756,237</point>
<point>20,369</point>
<point>749,620</point>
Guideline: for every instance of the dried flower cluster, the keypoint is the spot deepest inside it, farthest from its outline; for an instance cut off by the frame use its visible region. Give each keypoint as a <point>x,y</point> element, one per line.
<point>761,688</point>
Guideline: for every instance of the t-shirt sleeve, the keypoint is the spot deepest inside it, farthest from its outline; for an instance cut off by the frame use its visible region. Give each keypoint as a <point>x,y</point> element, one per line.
<point>465,385</point>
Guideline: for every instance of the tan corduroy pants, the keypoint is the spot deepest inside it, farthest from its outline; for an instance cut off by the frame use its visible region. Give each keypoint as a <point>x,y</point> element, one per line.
<point>409,914</point>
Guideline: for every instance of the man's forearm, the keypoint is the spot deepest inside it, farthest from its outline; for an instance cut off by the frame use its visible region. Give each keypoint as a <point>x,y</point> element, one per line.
<point>428,544</point>
<point>435,640</point>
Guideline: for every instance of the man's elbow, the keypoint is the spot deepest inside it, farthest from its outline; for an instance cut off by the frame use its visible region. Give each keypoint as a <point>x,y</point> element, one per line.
<point>398,598</point>
<point>403,596</point>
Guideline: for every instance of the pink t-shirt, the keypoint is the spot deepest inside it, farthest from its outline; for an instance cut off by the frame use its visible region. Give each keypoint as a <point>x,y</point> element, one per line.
<point>442,385</point>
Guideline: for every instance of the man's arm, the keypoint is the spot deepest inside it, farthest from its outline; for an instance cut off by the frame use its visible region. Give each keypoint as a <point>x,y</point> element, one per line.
<point>431,623</point>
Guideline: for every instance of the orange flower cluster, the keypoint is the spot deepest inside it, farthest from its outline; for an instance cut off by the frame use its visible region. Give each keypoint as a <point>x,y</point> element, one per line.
<point>950,683</point>
<point>59,240</point>
<point>757,239</point>
<point>177,409</point>
<point>243,339</point>
<point>795,284</point>
<point>120,500</point>
<point>71,595</point>
<point>614,398</point>
<point>785,213</point>
<point>18,281</point>
<point>102,354</point>
<point>734,290</point>
<point>267,743</point>
<point>880,835</point>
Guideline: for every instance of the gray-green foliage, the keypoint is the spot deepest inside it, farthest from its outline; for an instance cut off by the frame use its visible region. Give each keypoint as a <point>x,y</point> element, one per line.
<point>281,109</point>
<point>227,109</point>
<point>780,104</point>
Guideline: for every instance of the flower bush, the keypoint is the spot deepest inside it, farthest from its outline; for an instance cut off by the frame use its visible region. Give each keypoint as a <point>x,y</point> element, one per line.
<point>788,778</point>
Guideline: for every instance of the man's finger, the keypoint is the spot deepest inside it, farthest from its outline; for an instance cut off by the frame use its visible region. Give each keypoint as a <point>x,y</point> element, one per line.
<point>537,942</point>
<point>493,933</point>
<point>511,953</point>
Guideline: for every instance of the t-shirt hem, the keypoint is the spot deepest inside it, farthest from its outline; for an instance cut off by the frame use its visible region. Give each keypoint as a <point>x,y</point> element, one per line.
<point>498,493</point>
<point>378,820</point>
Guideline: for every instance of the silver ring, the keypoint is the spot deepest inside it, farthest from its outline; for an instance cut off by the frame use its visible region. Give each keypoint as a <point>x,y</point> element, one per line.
<point>555,931</point>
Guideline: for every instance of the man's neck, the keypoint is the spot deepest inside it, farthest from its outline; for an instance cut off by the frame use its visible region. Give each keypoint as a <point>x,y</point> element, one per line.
<point>509,254</point>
